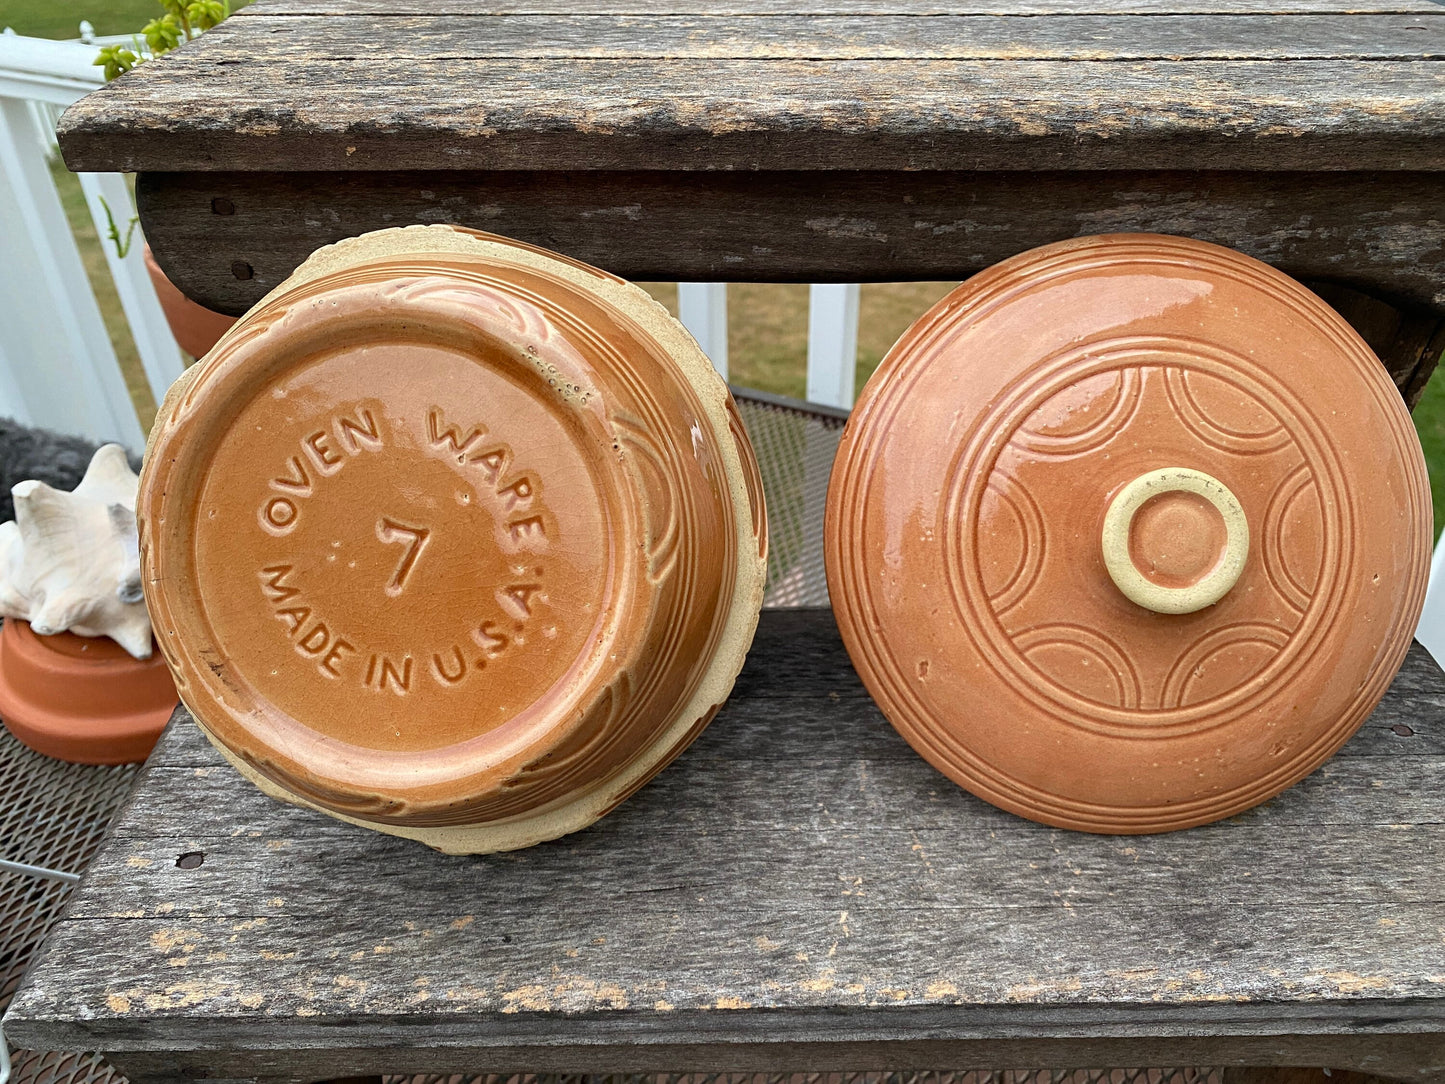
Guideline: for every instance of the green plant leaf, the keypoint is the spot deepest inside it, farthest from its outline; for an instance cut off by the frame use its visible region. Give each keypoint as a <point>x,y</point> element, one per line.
<point>116,60</point>
<point>122,245</point>
<point>204,14</point>
<point>162,35</point>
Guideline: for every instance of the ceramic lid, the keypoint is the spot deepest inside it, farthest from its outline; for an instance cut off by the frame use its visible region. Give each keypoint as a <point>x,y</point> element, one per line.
<point>1128,533</point>
<point>454,537</point>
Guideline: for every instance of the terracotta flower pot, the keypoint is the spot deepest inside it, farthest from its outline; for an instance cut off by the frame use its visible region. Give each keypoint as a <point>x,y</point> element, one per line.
<point>1128,533</point>
<point>195,327</point>
<point>80,698</point>
<point>453,538</point>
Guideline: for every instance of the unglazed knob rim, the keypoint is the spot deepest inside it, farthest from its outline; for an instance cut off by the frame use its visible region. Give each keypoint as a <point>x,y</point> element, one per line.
<point>1127,576</point>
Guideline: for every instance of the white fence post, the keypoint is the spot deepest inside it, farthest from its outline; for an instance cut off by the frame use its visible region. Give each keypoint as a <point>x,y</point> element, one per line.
<point>12,403</point>
<point>54,337</point>
<point>832,343</point>
<point>159,354</point>
<point>1431,629</point>
<point>703,309</point>
<point>59,369</point>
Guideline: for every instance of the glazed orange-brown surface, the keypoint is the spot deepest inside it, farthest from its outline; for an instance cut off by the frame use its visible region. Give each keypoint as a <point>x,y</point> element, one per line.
<point>83,699</point>
<point>444,535</point>
<point>967,535</point>
<point>401,546</point>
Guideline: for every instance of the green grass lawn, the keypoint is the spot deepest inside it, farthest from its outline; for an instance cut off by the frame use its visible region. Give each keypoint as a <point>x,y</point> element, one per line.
<point>1430,424</point>
<point>61,18</point>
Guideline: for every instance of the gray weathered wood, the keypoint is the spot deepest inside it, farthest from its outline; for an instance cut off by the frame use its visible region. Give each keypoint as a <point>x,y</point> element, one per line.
<point>1014,8</point>
<point>1394,1056</point>
<point>579,88</point>
<point>867,140</point>
<point>797,891</point>
<point>309,38</point>
<point>1381,233</point>
<point>375,112</point>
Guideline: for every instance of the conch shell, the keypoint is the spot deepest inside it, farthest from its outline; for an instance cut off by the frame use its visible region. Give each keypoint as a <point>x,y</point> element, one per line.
<point>71,561</point>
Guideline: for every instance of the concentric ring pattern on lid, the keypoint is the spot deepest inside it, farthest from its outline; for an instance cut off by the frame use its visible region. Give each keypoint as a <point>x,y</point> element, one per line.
<point>454,538</point>
<point>1128,533</point>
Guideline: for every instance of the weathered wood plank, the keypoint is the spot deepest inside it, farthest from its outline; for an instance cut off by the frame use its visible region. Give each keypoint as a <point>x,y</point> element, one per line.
<point>304,39</point>
<point>804,644</point>
<point>1396,1056</point>
<point>1410,721</point>
<point>1410,343</point>
<point>1382,233</point>
<point>1218,8</point>
<point>916,868</point>
<point>379,112</point>
<point>797,867</point>
<point>144,983</point>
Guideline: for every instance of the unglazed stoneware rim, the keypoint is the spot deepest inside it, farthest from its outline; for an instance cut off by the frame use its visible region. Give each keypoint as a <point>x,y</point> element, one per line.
<point>1119,520</point>
<point>862,592</point>
<point>420,250</point>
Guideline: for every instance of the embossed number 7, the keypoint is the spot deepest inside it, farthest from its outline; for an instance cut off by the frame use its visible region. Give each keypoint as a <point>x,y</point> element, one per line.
<point>389,530</point>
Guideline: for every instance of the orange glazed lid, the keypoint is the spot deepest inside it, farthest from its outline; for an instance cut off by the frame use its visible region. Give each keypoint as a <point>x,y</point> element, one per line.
<point>453,537</point>
<point>1128,533</point>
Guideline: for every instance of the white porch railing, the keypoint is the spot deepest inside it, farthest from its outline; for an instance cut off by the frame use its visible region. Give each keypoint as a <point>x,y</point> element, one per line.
<point>57,366</point>
<point>832,334</point>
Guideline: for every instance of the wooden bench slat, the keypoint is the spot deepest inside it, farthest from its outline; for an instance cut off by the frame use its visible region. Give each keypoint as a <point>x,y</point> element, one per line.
<point>795,871</point>
<point>457,9</point>
<point>304,39</point>
<point>376,111</point>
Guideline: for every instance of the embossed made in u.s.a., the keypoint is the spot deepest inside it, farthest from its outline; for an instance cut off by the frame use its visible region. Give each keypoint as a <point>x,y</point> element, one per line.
<point>454,538</point>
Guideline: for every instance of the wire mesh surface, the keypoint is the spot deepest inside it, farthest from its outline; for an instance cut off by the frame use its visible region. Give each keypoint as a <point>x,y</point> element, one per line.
<point>52,814</point>
<point>41,1068</point>
<point>794,443</point>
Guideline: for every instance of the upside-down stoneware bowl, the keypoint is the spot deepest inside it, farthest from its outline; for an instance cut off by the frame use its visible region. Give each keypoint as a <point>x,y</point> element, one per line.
<point>453,538</point>
<point>1128,533</point>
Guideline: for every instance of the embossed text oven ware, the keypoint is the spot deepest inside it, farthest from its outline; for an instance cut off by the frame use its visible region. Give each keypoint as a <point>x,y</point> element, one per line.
<point>453,538</point>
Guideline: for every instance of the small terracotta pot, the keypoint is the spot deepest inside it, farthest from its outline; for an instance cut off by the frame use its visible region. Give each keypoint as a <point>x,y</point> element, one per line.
<point>81,698</point>
<point>195,327</point>
<point>452,538</point>
<point>1128,533</point>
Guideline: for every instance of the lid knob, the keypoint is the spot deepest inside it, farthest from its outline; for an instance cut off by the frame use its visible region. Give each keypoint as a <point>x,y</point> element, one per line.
<point>1175,540</point>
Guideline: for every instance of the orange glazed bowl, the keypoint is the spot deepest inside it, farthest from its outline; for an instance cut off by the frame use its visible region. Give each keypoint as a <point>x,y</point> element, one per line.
<point>453,538</point>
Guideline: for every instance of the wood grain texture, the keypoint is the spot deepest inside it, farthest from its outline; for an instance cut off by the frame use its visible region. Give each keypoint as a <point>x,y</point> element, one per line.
<point>1395,1056</point>
<point>1012,8</point>
<point>1410,343</point>
<point>1343,233</point>
<point>303,39</point>
<point>561,90</point>
<point>797,885</point>
<point>1382,234</point>
<point>1281,1075</point>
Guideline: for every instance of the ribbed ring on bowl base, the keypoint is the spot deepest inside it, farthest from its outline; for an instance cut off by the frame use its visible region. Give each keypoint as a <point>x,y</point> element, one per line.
<point>453,538</point>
